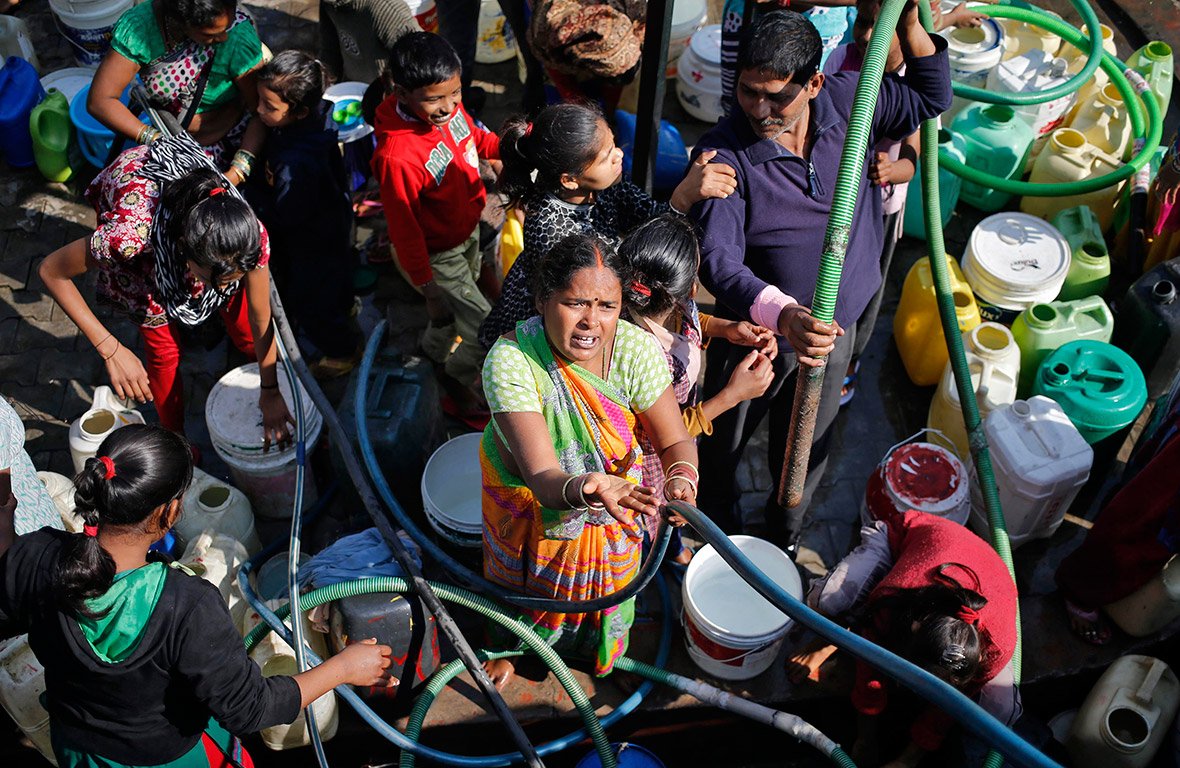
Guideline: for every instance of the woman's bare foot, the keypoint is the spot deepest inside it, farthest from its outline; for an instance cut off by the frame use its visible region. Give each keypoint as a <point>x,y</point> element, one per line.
<point>805,664</point>
<point>501,671</point>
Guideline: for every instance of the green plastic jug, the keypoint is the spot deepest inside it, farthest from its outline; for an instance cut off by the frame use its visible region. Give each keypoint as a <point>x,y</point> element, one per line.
<point>1042,328</point>
<point>49,125</point>
<point>1099,386</point>
<point>1154,62</point>
<point>949,185</point>
<point>997,142</point>
<point>1089,263</point>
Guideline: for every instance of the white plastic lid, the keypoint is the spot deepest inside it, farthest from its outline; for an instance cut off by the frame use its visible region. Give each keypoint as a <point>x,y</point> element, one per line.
<point>235,422</point>
<point>706,44</point>
<point>1014,259</point>
<point>974,40</point>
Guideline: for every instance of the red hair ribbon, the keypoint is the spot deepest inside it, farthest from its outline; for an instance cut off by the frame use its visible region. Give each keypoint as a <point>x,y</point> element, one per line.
<point>528,129</point>
<point>109,464</point>
<point>90,530</point>
<point>216,191</point>
<point>640,288</point>
<point>968,615</point>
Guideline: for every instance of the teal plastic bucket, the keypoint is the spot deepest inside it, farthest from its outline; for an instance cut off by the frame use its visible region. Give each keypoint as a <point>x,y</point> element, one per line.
<point>94,138</point>
<point>1100,388</point>
<point>630,756</point>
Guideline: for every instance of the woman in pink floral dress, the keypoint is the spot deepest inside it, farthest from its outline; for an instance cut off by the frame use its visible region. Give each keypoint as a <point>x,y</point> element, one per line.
<point>175,243</point>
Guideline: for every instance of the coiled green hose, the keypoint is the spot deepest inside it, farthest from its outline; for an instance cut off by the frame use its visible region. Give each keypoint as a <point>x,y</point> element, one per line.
<point>481,606</point>
<point>1148,126</point>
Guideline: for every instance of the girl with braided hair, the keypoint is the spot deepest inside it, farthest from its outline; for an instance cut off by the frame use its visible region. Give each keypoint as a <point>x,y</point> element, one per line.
<point>143,664</point>
<point>663,257</point>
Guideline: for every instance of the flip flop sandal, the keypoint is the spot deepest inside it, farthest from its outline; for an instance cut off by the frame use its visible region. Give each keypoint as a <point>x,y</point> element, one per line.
<point>1097,633</point>
<point>848,390</point>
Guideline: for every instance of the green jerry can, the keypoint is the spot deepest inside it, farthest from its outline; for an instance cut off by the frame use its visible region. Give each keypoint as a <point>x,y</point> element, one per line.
<point>949,186</point>
<point>1149,325</point>
<point>996,142</point>
<point>1042,328</point>
<point>1099,386</point>
<point>50,127</point>
<point>1154,62</point>
<point>1089,261</point>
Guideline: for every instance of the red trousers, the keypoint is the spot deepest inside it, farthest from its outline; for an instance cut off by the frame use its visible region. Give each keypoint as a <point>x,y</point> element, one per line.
<point>161,346</point>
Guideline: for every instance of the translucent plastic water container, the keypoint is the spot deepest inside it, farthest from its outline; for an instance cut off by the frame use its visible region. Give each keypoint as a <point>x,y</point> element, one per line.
<point>1040,463</point>
<point>22,681</point>
<point>997,142</point>
<point>216,558</point>
<point>1103,120</point>
<point>1069,157</point>
<point>1152,607</point>
<point>1124,719</point>
<point>210,504</point>
<point>1155,62</point>
<point>917,328</point>
<point>994,361</point>
<point>1020,38</point>
<point>1089,261</point>
<point>1077,61</point>
<point>1043,328</point>
<point>106,414</point>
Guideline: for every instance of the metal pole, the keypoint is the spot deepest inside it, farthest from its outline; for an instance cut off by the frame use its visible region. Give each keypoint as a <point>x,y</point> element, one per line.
<point>652,88</point>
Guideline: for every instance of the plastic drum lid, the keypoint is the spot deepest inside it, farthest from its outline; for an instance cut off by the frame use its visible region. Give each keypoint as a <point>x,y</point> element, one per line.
<point>452,488</point>
<point>69,81</point>
<point>926,475</point>
<point>961,41</point>
<point>347,91</point>
<point>706,46</point>
<point>235,423</point>
<point>1018,257</point>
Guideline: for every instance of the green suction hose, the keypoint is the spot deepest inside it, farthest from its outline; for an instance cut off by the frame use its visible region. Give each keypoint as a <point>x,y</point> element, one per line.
<point>481,606</point>
<point>831,266</point>
<point>1148,126</point>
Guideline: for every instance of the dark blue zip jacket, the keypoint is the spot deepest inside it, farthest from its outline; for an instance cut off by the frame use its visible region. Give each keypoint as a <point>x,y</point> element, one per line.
<point>771,231</point>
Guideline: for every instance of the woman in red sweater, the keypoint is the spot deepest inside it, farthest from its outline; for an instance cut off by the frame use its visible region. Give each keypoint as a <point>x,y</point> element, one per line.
<point>936,594</point>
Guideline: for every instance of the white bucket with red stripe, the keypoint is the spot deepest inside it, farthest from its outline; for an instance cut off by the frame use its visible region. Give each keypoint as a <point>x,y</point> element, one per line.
<point>730,630</point>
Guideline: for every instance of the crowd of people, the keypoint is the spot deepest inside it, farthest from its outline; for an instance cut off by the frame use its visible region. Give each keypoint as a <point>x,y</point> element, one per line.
<point>592,366</point>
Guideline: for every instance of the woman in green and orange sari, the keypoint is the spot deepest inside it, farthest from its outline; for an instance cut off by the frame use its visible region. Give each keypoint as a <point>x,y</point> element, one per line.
<point>569,391</point>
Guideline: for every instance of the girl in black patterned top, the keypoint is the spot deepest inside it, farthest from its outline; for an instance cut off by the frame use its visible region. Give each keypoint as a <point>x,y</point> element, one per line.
<point>578,189</point>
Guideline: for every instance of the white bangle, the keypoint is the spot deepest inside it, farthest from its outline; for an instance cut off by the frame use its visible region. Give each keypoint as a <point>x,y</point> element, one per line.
<point>565,487</point>
<point>685,478</point>
<point>696,472</point>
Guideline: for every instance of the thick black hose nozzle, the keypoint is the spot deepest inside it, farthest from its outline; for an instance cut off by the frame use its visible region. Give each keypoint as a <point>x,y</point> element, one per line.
<point>969,714</point>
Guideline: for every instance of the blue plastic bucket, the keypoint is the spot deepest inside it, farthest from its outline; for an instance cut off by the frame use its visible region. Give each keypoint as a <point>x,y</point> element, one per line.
<point>630,756</point>
<point>94,138</point>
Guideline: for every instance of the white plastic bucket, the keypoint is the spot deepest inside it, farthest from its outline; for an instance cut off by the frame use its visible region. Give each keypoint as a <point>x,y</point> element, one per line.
<point>452,491</point>
<point>235,428</point>
<point>88,26</point>
<point>494,42</point>
<point>1013,261</point>
<point>425,13</point>
<point>22,681</point>
<point>730,630</point>
<point>107,413</point>
<point>687,17</point>
<point>698,75</point>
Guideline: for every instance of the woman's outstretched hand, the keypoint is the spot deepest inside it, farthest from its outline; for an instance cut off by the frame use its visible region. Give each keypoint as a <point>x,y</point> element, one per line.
<point>622,499</point>
<point>128,377</point>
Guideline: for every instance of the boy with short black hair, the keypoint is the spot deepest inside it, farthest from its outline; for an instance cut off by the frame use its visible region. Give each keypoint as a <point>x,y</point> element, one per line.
<point>427,163</point>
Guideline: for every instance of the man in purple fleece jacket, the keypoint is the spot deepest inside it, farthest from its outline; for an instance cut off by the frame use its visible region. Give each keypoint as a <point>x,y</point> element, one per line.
<point>761,245</point>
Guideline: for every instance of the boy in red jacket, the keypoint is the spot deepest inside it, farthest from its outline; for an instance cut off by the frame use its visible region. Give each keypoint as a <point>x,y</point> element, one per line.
<point>427,163</point>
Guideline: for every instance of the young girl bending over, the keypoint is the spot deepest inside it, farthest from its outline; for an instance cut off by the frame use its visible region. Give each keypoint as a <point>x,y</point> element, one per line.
<point>663,257</point>
<point>578,189</point>
<point>143,665</point>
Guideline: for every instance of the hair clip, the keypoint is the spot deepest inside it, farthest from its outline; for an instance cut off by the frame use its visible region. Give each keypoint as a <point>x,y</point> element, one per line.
<point>640,288</point>
<point>109,464</point>
<point>217,191</point>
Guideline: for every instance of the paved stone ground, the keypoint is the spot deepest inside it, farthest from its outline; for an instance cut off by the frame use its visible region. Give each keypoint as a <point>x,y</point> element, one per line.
<point>49,373</point>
